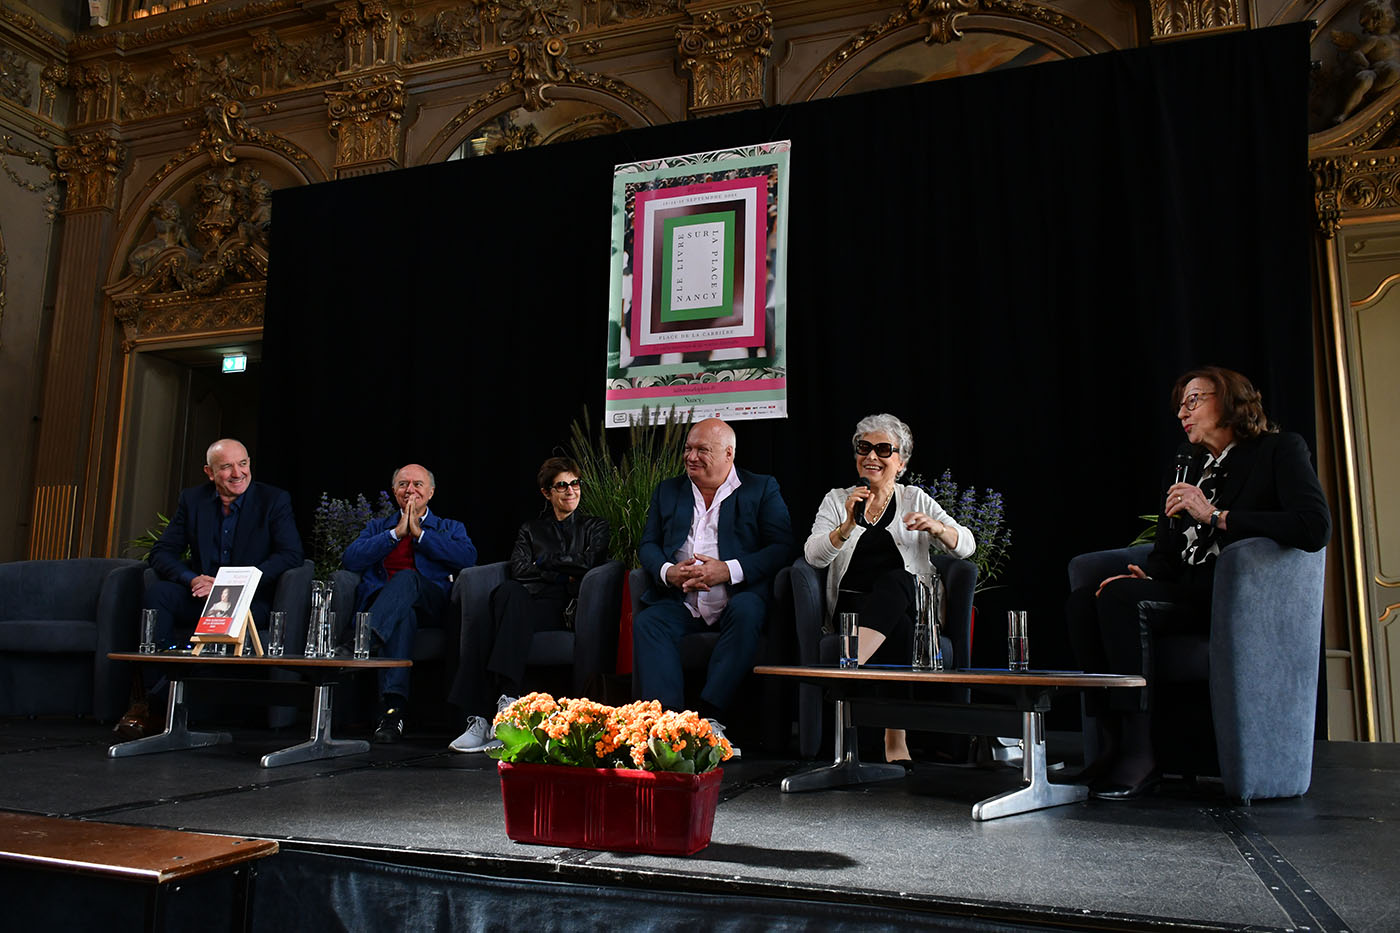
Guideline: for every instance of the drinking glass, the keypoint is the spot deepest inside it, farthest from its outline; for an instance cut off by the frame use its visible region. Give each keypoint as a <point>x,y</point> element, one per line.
<point>276,633</point>
<point>148,631</point>
<point>849,629</point>
<point>362,633</point>
<point>1018,647</point>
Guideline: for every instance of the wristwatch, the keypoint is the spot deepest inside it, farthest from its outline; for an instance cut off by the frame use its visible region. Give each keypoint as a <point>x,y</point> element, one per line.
<point>1214,517</point>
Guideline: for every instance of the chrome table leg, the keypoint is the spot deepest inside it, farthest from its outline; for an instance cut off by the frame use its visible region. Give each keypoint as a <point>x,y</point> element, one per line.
<point>176,735</point>
<point>320,745</point>
<point>847,768</point>
<point>1037,792</point>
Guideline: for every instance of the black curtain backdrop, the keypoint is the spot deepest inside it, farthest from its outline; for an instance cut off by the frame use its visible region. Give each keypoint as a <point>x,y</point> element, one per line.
<point>1018,264</point>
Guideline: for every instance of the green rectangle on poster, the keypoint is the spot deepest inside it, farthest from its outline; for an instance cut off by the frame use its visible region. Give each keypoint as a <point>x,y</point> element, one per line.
<point>714,303</point>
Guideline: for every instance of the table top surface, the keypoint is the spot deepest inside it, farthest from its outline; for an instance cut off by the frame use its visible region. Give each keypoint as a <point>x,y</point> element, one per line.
<point>132,852</point>
<point>248,660</point>
<point>972,677</point>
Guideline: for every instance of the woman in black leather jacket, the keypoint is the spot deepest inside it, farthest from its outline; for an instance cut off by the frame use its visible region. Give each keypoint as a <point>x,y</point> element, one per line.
<point>547,564</point>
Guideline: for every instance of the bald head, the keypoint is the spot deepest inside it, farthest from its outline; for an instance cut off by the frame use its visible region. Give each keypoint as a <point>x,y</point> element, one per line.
<point>228,466</point>
<point>709,453</point>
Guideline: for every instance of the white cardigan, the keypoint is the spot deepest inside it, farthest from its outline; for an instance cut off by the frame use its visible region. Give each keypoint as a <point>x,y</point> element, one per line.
<point>913,545</point>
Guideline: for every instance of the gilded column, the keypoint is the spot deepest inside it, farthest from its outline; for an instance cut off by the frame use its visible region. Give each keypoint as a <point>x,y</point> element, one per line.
<point>725,48</point>
<point>366,120</point>
<point>76,371</point>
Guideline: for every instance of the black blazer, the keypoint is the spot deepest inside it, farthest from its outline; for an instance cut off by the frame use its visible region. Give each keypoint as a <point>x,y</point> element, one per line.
<point>1270,490</point>
<point>266,537</point>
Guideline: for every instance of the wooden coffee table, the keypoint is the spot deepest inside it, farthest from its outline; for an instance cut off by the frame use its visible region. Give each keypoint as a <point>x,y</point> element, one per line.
<point>1028,698</point>
<point>322,673</point>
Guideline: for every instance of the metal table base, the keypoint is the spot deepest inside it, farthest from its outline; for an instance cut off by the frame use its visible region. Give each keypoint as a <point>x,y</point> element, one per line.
<point>177,734</point>
<point>320,745</point>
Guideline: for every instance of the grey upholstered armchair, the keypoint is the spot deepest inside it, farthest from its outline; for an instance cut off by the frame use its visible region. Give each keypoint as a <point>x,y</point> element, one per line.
<point>1241,701</point>
<point>58,621</point>
<point>429,643</point>
<point>814,646</point>
<point>590,649</point>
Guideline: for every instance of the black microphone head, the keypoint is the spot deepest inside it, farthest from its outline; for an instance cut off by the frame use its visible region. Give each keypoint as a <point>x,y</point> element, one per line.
<point>863,481</point>
<point>1184,457</point>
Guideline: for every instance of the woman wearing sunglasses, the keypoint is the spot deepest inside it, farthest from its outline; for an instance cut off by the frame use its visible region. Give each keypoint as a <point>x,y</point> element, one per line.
<point>551,555</point>
<point>1236,476</point>
<point>873,537</point>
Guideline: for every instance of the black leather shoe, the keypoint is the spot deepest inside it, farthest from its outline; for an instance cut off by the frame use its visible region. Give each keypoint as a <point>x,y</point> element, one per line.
<point>390,728</point>
<point>1147,785</point>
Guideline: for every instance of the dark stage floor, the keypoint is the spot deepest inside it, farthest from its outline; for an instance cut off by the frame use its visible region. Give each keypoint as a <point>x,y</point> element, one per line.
<point>1181,859</point>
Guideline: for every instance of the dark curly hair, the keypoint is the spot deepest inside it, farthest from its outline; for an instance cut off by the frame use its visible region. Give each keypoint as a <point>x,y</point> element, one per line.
<point>1241,405</point>
<point>552,468</point>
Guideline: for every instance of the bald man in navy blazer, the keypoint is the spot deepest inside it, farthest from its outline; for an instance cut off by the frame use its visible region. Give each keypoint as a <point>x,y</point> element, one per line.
<point>231,522</point>
<point>713,542</point>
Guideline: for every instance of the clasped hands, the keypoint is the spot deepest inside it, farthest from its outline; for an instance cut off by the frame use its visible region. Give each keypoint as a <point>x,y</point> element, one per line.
<point>410,518</point>
<point>701,573</point>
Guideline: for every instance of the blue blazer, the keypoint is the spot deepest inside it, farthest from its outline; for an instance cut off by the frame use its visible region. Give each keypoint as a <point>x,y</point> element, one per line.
<point>266,536</point>
<point>754,528</point>
<point>443,551</point>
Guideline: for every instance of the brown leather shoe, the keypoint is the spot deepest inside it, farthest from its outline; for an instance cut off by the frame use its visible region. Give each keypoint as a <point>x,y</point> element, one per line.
<point>137,722</point>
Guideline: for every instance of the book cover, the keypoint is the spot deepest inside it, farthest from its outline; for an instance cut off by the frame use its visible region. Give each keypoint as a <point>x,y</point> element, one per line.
<point>226,608</point>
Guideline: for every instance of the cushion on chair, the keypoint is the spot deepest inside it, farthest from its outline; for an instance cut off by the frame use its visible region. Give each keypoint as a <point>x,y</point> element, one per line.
<point>48,635</point>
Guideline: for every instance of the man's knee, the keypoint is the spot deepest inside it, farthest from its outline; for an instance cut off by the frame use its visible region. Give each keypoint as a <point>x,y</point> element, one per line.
<point>747,612</point>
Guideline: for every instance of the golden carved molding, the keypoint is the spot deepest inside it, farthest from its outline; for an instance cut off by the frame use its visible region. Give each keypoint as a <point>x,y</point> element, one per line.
<point>175,26</point>
<point>365,120</point>
<point>15,84</point>
<point>726,52</point>
<point>37,157</point>
<point>159,317</point>
<point>33,30</point>
<point>89,169</point>
<point>941,18</point>
<point>1354,185</point>
<point>1172,19</point>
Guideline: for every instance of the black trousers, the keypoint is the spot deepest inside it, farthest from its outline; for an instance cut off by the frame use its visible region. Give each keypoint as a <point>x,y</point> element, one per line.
<point>494,649</point>
<point>888,608</point>
<point>1117,631</point>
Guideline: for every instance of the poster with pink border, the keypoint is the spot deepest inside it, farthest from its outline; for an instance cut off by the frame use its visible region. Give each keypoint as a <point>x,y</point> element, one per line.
<point>698,308</point>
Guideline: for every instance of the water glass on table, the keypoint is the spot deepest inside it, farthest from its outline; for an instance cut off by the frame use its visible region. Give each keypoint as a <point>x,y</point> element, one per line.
<point>848,627</point>
<point>148,631</point>
<point>276,633</point>
<point>362,635</point>
<point>1018,646</point>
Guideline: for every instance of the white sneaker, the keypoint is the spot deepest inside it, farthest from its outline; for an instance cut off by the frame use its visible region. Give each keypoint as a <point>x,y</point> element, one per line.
<point>717,728</point>
<point>479,736</point>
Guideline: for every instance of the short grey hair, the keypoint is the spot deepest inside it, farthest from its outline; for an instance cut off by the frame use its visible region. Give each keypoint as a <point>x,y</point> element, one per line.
<point>888,424</point>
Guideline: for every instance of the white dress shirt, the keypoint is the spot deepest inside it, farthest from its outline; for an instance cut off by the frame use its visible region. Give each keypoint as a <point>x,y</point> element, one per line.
<point>704,539</point>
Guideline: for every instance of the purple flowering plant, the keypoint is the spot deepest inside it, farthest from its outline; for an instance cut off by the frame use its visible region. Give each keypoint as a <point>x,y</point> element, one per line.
<point>338,522</point>
<point>985,516</point>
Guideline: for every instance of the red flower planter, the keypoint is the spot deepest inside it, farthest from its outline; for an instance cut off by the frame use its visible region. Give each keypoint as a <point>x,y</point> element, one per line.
<point>618,810</point>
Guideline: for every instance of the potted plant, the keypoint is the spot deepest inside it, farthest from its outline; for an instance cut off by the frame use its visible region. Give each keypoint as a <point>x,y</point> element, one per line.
<point>583,775</point>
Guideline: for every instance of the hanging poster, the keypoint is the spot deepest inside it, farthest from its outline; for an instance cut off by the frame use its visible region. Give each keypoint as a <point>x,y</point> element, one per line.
<point>698,286</point>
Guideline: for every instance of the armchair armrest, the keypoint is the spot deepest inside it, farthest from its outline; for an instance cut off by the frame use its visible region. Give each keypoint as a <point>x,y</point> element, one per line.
<point>1265,640</point>
<point>808,609</point>
<point>596,623</point>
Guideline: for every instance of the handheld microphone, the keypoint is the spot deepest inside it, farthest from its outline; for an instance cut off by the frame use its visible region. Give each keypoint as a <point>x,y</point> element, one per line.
<point>863,481</point>
<point>1183,464</point>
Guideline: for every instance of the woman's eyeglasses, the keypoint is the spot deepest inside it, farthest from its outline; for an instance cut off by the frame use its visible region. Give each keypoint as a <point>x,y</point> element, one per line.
<point>562,486</point>
<point>1193,401</point>
<point>883,451</point>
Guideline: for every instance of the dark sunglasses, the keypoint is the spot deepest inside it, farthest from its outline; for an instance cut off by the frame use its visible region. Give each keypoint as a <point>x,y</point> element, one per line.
<point>883,451</point>
<point>561,486</point>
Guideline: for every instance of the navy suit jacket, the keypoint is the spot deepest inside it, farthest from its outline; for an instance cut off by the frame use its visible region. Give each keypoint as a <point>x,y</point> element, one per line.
<point>266,537</point>
<point>754,529</point>
<point>1270,490</point>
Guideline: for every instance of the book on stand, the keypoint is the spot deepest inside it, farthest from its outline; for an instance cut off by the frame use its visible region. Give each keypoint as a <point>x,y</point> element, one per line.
<point>227,614</point>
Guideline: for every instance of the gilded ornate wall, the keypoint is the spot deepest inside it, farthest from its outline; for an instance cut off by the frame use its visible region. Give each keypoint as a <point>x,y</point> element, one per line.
<point>139,150</point>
